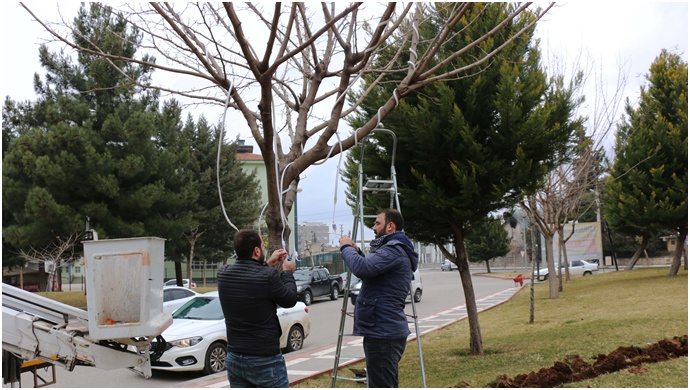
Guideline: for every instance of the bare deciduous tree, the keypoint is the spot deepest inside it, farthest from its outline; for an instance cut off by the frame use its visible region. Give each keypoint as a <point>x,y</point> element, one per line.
<point>559,201</point>
<point>287,70</point>
<point>192,237</point>
<point>61,250</point>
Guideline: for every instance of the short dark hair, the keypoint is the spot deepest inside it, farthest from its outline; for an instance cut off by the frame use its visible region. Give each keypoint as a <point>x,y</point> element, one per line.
<point>393,215</point>
<point>245,241</point>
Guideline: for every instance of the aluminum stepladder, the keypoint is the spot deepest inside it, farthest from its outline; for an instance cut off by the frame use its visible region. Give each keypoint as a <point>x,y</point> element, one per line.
<point>374,186</point>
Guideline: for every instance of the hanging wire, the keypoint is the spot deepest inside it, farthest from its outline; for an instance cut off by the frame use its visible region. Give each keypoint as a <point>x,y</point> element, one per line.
<point>220,144</point>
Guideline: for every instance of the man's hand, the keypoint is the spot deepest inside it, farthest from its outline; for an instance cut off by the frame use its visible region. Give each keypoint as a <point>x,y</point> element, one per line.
<point>345,240</point>
<point>277,256</point>
<point>289,266</point>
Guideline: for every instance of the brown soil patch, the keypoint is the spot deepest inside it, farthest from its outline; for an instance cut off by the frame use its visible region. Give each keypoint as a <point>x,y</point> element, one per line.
<point>574,368</point>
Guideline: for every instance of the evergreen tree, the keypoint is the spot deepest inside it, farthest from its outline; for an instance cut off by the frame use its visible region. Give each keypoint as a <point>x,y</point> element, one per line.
<point>94,145</point>
<point>209,233</point>
<point>647,190</point>
<point>486,241</point>
<point>471,146</point>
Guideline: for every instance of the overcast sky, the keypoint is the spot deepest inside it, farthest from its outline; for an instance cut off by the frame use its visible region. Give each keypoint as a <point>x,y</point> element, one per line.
<point>615,35</point>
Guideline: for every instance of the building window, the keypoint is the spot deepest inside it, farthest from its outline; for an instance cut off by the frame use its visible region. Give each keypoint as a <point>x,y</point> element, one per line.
<point>199,264</point>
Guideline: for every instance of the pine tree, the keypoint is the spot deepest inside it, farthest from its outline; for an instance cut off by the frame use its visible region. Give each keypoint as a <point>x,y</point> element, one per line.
<point>471,146</point>
<point>487,240</point>
<point>93,145</point>
<point>647,190</point>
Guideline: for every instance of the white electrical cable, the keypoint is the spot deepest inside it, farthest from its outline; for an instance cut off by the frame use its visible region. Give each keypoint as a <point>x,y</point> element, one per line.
<point>348,87</point>
<point>220,144</point>
<point>337,175</point>
<point>279,183</point>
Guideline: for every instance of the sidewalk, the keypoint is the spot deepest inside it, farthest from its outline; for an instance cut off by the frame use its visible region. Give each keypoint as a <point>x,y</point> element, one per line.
<point>305,365</point>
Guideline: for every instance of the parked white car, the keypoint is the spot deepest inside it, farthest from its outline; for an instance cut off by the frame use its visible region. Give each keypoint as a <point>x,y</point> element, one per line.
<point>576,268</point>
<point>185,283</point>
<point>417,287</point>
<point>175,296</point>
<point>196,339</point>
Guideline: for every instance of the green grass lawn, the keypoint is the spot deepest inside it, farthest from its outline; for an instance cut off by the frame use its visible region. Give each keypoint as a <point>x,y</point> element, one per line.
<point>593,315</point>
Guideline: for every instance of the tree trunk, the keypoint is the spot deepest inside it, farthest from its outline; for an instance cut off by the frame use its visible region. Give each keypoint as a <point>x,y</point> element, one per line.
<point>278,233</point>
<point>58,275</point>
<point>553,282</point>
<point>561,256</point>
<point>178,273</point>
<point>680,249</point>
<point>476,344</point>
<point>189,262</point>
<point>638,253</point>
<point>531,289</point>
<point>203,272</point>
<point>488,267</point>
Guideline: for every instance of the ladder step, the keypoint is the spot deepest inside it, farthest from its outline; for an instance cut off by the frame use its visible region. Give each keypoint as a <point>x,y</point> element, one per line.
<point>378,185</point>
<point>358,379</point>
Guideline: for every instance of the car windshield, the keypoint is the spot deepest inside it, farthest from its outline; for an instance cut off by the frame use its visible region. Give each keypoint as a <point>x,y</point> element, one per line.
<point>201,308</point>
<point>303,276</point>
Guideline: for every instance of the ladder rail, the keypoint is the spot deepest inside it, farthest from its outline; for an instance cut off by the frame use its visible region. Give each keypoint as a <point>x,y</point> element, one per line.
<point>358,228</point>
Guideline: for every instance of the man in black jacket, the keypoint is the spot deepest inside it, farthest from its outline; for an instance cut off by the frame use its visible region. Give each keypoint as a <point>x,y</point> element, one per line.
<point>249,293</point>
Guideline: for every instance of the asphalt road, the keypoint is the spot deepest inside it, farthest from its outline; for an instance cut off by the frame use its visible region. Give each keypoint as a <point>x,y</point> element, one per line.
<point>442,290</point>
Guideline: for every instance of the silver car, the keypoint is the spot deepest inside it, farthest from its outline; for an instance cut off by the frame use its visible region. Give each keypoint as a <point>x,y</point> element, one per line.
<point>576,268</point>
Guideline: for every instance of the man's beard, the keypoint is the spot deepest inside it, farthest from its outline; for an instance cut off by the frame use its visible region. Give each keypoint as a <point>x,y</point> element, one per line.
<point>262,256</point>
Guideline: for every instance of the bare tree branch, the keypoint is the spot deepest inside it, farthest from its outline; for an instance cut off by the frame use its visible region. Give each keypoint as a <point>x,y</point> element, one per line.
<point>309,62</point>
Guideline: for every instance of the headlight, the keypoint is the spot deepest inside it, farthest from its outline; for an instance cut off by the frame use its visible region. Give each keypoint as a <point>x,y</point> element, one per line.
<point>184,343</point>
<point>300,288</point>
<point>358,286</point>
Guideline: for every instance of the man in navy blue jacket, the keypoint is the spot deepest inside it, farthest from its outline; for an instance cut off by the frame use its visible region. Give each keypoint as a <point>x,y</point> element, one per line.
<point>249,291</point>
<point>386,274</point>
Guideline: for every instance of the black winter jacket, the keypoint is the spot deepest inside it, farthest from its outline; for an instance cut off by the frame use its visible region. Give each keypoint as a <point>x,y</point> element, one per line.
<point>249,294</point>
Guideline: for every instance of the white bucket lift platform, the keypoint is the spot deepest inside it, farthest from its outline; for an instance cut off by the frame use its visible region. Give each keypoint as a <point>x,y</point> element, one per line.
<point>124,295</point>
<point>124,286</point>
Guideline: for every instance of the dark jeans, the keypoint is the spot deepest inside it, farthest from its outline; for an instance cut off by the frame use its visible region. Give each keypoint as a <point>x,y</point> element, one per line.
<point>382,357</point>
<point>256,371</point>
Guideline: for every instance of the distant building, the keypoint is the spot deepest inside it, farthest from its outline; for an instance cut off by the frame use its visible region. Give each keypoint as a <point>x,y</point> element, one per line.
<point>314,238</point>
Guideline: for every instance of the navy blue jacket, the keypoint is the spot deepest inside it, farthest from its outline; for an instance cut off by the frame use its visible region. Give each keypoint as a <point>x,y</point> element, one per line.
<point>386,274</point>
<point>249,292</point>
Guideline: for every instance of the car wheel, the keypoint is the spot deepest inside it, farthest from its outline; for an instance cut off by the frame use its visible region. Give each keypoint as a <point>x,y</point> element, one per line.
<point>417,295</point>
<point>546,277</point>
<point>334,293</point>
<point>295,339</point>
<point>215,358</point>
<point>587,273</point>
<point>307,298</point>
<point>353,299</point>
